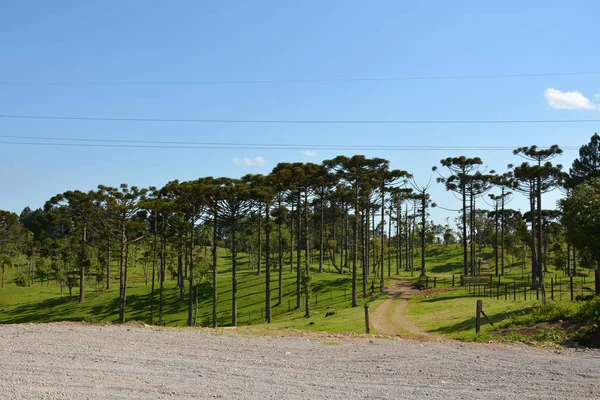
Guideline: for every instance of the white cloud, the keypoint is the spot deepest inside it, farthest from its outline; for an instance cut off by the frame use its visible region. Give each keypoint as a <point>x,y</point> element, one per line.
<point>250,161</point>
<point>308,153</point>
<point>568,100</point>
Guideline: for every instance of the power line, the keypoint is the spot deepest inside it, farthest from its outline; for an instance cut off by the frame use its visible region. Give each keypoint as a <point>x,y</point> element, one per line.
<point>277,145</point>
<point>283,81</point>
<point>296,121</point>
<point>246,146</point>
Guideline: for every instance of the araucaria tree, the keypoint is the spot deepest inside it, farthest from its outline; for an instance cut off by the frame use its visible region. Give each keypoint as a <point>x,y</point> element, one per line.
<point>120,208</point>
<point>357,172</point>
<point>231,202</point>
<point>534,179</point>
<point>79,207</point>
<point>461,171</point>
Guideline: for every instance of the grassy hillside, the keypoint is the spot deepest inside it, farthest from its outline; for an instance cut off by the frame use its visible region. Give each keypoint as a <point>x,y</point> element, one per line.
<point>330,291</point>
<point>445,310</point>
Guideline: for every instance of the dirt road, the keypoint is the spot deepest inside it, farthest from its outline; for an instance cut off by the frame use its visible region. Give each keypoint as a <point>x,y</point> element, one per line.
<point>117,362</point>
<point>390,319</point>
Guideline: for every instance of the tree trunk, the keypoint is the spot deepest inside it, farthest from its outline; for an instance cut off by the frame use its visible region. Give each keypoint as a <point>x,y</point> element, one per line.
<point>259,258</point>
<point>568,259</point>
<point>540,271</point>
<point>335,244</point>
<point>407,230</point>
<point>83,262</point>
<point>108,264</point>
<point>389,244</point>
<point>268,263</point>
<point>163,270</point>
<point>280,262</point>
<point>153,271</point>
<point>423,221</point>
<point>122,270</point>
<point>298,253</point>
<point>398,238</point>
<point>534,263</point>
<point>321,237</point>
<point>180,281</point>
<point>186,258</point>
<point>597,278</point>
<point>545,258</point>
<point>496,241</point>
<point>215,260</point>
<point>412,244</point>
<point>502,235</point>
<point>347,239</point>
<point>381,278</point>
<point>355,250</point>
<point>472,231</point>
<point>574,261</point>
<point>366,250</point>
<point>306,257</point>
<point>464,227</point>
<point>292,237</point>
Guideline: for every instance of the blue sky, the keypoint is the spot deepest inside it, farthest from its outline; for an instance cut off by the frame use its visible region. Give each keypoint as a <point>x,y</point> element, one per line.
<point>135,41</point>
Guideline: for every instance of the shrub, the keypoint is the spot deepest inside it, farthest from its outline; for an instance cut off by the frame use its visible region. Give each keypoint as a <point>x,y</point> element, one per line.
<point>20,280</point>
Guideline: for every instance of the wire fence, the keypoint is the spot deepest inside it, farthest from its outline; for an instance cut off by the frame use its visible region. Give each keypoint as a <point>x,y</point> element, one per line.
<point>514,288</point>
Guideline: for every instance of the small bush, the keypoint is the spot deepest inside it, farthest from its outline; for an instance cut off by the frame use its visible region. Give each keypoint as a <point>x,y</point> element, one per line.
<point>20,280</point>
<point>555,335</point>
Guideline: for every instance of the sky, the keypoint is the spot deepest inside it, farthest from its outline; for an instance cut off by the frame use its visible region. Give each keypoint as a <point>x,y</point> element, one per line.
<point>283,60</point>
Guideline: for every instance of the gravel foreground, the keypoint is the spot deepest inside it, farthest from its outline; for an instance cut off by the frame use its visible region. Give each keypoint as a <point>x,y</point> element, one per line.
<point>60,361</point>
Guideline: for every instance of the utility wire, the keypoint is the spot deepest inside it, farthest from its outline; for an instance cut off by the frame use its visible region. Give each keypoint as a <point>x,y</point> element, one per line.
<point>281,81</point>
<point>262,145</point>
<point>236,146</point>
<point>295,121</point>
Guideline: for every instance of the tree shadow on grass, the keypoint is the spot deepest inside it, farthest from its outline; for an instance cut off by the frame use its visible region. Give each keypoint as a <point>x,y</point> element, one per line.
<point>470,323</point>
<point>438,299</point>
<point>449,268</point>
<point>49,310</point>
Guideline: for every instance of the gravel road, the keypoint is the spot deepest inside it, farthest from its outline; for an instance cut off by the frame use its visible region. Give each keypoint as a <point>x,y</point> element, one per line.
<point>61,361</point>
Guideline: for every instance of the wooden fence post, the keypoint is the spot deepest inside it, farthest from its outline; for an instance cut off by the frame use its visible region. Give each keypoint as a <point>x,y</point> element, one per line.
<point>367,324</point>
<point>478,316</point>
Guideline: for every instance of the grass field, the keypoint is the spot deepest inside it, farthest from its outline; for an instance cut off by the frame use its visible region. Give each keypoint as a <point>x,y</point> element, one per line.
<point>448,311</point>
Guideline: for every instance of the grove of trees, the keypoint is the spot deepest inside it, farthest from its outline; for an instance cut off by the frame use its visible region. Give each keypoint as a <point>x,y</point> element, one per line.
<point>355,213</point>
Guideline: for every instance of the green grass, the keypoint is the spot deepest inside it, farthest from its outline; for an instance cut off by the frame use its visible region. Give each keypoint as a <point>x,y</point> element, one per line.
<point>449,313</point>
<point>330,291</point>
<point>452,313</point>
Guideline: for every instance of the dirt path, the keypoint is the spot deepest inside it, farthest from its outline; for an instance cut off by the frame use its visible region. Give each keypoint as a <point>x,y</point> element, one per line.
<point>390,317</point>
